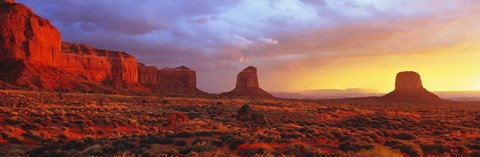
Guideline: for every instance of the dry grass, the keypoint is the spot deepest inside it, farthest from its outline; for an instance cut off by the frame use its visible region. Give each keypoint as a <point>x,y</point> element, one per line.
<point>112,125</point>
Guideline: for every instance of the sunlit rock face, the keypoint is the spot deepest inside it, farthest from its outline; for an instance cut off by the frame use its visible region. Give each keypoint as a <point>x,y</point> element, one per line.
<point>409,88</point>
<point>99,65</point>
<point>180,80</point>
<point>24,36</point>
<point>180,77</point>
<point>408,81</point>
<point>247,85</point>
<point>147,75</point>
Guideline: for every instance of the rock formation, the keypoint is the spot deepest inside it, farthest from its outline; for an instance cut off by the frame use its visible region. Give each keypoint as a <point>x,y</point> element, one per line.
<point>98,65</point>
<point>33,56</point>
<point>409,88</point>
<point>247,85</point>
<point>24,36</point>
<point>147,75</point>
<point>181,80</point>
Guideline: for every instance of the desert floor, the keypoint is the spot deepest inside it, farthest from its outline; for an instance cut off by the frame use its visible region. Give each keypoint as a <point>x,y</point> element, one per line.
<point>79,124</point>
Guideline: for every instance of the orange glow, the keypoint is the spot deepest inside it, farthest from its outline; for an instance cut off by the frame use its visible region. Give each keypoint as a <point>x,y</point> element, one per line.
<point>446,69</point>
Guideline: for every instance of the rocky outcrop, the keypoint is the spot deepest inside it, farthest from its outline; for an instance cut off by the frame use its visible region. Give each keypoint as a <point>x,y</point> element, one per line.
<point>28,75</point>
<point>32,56</point>
<point>24,36</point>
<point>181,79</point>
<point>247,85</point>
<point>147,75</point>
<point>170,81</point>
<point>99,65</point>
<point>409,88</point>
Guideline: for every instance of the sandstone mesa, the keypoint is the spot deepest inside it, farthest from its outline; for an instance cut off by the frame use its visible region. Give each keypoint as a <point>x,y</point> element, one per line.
<point>409,88</point>
<point>33,56</point>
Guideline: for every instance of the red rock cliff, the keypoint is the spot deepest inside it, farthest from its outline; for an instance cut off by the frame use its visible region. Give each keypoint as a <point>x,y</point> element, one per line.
<point>177,80</point>
<point>24,36</point>
<point>409,88</point>
<point>247,85</point>
<point>98,65</point>
<point>181,80</point>
<point>147,75</point>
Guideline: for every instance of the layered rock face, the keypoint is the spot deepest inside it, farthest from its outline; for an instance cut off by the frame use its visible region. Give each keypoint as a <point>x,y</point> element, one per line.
<point>409,88</point>
<point>33,56</point>
<point>247,85</point>
<point>29,75</point>
<point>147,75</point>
<point>25,36</point>
<point>98,65</point>
<point>181,80</point>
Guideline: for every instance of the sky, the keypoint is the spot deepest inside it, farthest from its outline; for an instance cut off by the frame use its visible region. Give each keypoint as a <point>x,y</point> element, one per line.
<point>295,44</point>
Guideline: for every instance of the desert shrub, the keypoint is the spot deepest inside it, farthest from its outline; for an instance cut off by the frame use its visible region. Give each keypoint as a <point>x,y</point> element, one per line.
<point>16,150</point>
<point>165,102</point>
<point>475,154</point>
<point>410,149</point>
<point>133,122</point>
<point>406,136</point>
<point>156,140</point>
<point>260,119</point>
<point>121,146</point>
<point>33,135</point>
<point>355,146</point>
<point>225,137</point>
<point>76,146</point>
<point>199,140</point>
<point>12,138</point>
<point>436,148</point>
<point>218,103</point>
<point>244,112</point>
<point>266,138</point>
<point>461,149</point>
<point>100,132</point>
<point>176,118</point>
<point>184,134</point>
<point>217,143</point>
<point>141,153</point>
<point>252,151</point>
<point>60,153</point>
<point>202,148</point>
<point>235,142</point>
<point>299,149</point>
<point>291,135</point>
<point>171,152</point>
<point>162,140</point>
<point>185,151</point>
<point>145,146</point>
<point>204,133</point>
<point>95,150</point>
<point>40,121</point>
<point>13,121</point>
<point>181,143</point>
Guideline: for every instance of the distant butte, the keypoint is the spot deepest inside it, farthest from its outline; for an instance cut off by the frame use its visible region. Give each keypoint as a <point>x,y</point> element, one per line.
<point>409,88</point>
<point>247,85</point>
<point>169,81</point>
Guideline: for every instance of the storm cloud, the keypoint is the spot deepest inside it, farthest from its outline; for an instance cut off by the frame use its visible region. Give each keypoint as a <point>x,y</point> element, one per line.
<point>220,37</point>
